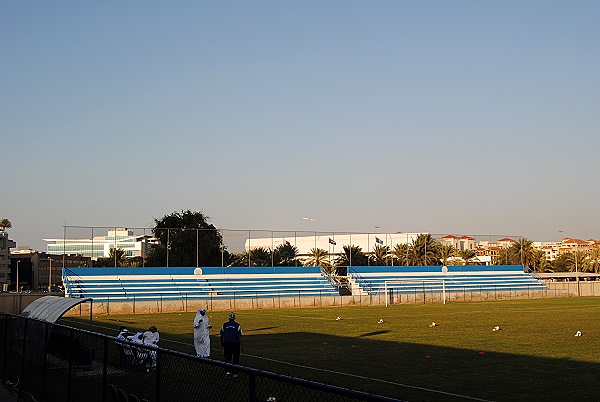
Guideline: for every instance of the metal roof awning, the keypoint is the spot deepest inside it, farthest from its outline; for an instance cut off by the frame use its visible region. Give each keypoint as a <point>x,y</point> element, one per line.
<point>51,308</point>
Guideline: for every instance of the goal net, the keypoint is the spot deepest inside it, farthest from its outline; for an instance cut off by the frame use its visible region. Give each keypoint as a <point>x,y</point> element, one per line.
<point>405,285</point>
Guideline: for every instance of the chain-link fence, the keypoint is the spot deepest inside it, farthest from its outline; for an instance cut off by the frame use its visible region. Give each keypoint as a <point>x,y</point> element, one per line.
<point>97,242</point>
<point>53,362</point>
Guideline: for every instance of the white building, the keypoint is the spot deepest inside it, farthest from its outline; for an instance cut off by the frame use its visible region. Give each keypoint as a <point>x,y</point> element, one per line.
<point>333,243</point>
<point>99,246</point>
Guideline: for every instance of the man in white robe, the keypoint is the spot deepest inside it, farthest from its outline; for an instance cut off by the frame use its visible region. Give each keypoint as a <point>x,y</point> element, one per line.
<point>151,338</point>
<point>201,333</point>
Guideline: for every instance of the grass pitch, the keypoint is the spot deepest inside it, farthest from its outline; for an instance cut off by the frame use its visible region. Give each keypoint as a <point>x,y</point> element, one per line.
<point>535,356</point>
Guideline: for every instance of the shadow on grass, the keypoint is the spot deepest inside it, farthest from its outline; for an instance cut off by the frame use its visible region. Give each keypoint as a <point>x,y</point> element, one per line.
<point>418,372</point>
<point>410,371</point>
<point>375,333</point>
<point>259,329</point>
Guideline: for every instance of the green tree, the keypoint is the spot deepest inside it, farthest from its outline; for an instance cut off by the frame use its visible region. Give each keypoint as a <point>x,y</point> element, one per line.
<point>561,263</point>
<point>380,255</point>
<point>352,256</point>
<point>522,253</point>
<point>446,252</point>
<point>576,261</point>
<point>286,255</point>
<point>116,258</point>
<point>238,259</point>
<point>540,263</point>
<point>182,236</point>
<point>593,260</point>
<point>400,254</point>
<point>317,257</point>
<point>468,256</point>
<point>503,257</point>
<point>424,251</point>
<point>5,224</point>
<point>261,257</point>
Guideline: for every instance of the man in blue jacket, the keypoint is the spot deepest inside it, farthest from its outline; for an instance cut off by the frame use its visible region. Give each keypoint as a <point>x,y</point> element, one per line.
<point>231,340</point>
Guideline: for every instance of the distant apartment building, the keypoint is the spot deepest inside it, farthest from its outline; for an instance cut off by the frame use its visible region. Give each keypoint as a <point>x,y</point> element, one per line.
<point>99,246</point>
<point>460,243</point>
<point>553,250</point>
<point>35,270</point>
<point>5,245</point>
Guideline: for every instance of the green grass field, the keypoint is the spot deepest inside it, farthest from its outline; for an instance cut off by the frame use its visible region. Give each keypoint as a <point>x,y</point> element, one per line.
<point>535,356</point>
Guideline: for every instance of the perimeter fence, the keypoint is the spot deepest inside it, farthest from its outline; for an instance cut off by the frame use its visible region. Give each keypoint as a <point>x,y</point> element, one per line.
<point>42,361</point>
<point>97,241</point>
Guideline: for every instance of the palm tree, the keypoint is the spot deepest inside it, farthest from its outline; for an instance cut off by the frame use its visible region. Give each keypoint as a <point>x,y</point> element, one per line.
<point>594,260</point>
<point>5,224</point>
<point>539,261</point>
<point>380,255</point>
<point>400,254</point>
<point>446,252</point>
<point>425,250</point>
<point>257,257</point>
<point>239,259</point>
<point>467,256</point>
<point>285,255</point>
<point>118,256</point>
<point>317,258</point>
<point>503,257</point>
<point>260,257</point>
<point>575,261</point>
<point>522,252</point>
<point>352,256</point>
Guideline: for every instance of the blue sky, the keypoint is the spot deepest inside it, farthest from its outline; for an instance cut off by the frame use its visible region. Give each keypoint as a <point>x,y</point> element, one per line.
<point>462,117</point>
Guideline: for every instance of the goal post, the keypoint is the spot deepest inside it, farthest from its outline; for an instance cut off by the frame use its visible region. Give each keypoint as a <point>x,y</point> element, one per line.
<point>389,283</point>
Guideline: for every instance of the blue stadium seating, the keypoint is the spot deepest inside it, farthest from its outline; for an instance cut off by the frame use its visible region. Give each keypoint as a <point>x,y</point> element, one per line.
<point>474,278</point>
<point>141,284</point>
<point>126,284</point>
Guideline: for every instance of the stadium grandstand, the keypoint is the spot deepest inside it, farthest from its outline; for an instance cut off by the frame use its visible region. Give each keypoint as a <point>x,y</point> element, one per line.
<point>468,278</point>
<point>126,284</point>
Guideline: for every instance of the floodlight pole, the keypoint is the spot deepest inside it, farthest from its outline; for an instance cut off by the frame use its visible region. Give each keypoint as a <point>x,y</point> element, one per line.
<point>17,288</point>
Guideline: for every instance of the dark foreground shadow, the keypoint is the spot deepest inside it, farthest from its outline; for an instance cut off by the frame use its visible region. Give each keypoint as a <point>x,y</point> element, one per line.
<point>419,372</point>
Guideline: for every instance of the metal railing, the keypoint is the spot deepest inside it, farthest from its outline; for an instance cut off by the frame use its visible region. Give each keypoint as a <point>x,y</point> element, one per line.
<point>360,280</point>
<point>52,362</point>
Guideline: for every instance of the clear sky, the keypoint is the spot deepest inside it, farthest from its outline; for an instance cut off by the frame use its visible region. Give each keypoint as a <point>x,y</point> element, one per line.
<point>450,117</point>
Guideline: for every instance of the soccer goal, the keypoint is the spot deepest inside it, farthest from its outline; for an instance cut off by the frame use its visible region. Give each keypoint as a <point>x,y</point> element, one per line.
<point>413,285</point>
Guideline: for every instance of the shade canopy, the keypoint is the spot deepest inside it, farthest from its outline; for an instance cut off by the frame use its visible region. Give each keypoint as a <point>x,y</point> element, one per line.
<point>51,308</point>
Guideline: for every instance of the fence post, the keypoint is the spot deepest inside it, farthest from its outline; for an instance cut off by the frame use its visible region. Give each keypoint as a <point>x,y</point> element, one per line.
<point>44,366</point>
<point>70,371</point>
<point>252,387</point>
<point>104,369</point>
<point>158,374</point>
<point>23,359</point>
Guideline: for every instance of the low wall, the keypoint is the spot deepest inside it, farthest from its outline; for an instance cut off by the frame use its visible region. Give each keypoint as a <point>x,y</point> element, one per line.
<point>152,307</point>
<point>14,303</point>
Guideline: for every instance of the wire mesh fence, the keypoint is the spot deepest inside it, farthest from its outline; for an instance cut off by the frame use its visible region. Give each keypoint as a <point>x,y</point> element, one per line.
<point>53,362</point>
<point>97,242</point>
